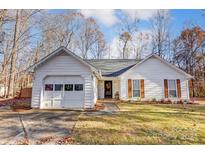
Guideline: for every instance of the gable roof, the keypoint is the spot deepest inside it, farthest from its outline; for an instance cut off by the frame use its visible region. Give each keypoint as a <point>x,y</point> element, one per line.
<point>109,67</point>
<point>165,62</point>
<point>60,49</point>
<point>113,67</point>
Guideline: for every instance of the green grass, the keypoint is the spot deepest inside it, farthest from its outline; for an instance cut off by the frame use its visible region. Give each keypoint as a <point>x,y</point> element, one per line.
<point>143,124</point>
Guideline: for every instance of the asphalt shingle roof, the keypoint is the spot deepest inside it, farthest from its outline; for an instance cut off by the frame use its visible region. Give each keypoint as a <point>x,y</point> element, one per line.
<point>113,67</point>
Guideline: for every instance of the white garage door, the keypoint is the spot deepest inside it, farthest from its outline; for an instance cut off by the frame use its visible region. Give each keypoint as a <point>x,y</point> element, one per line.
<point>63,92</point>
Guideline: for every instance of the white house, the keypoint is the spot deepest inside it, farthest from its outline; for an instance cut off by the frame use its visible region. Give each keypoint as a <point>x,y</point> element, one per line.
<point>64,80</point>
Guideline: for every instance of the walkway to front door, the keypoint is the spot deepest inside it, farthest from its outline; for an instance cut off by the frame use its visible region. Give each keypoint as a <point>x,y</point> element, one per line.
<point>110,106</point>
<point>108,89</point>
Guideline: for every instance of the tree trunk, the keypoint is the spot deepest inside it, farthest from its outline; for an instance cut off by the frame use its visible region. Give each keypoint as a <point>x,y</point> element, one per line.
<point>12,70</point>
<point>5,74</point>
<point>193,92</point>
<point>124,49</point>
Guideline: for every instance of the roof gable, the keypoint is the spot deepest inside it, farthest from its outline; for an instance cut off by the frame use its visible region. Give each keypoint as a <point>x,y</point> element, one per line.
<point>56,52</point>
<point>163,61</point>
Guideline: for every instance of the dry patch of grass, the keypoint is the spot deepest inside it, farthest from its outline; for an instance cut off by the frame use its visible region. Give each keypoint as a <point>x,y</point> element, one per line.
<point>143,124</point>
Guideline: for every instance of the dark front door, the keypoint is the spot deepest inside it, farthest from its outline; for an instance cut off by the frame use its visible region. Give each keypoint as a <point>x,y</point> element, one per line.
<point>108,89</point>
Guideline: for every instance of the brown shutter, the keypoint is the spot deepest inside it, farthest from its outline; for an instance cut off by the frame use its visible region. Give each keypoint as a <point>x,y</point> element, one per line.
<point>178,88</point>
<point>142,88</point>
<point>165,88</point>
<point>129,88</point>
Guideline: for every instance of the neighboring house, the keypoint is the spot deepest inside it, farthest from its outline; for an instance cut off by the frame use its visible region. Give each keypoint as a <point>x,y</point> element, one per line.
<point>64,80</point>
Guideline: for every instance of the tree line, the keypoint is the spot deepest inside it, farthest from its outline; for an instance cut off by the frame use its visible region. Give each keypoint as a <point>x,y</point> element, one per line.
<point>28,35</point>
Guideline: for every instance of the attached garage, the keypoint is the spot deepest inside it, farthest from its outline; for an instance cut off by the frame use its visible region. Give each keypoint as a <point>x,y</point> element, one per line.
<point>63,92</point>
<point>63,80</point>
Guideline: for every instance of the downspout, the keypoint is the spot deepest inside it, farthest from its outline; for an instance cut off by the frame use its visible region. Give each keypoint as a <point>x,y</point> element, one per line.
<point>98,74</point>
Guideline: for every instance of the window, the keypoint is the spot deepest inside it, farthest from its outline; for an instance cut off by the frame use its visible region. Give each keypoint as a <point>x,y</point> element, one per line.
<point>136,88</point>
<point>78,87</point>
<point>172,88</point>
<point>68,87</point>
<point>48,87</point>
<point>58,87</point>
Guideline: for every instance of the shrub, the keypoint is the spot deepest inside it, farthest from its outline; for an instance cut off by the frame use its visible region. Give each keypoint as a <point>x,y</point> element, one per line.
<point>138,99</point>
<point>162,101</point>
<point>181,101</point>
<point>117,95</point>
<point>154,100</point>
<point>21,105</point>
<point>169,101</point>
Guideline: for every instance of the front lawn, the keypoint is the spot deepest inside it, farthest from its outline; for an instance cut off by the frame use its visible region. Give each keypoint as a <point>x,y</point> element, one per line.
<point>143,124</point>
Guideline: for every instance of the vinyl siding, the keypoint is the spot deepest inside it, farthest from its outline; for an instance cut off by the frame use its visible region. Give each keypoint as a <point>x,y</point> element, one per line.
<point>153,71</point>
<point>62,65</point>
<point>100,89</point>
<point>116,87</point>
<point>95,88</point>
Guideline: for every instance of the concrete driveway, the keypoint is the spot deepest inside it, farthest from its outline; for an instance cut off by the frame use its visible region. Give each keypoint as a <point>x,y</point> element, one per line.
<point>36,126</point>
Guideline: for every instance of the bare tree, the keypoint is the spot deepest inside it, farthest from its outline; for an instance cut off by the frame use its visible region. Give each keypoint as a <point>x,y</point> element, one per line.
<point>160,33</point>
<point>27,35</point>
<point>17,40</point>
<point>89,38</point>
<point>100,47</point>
<point>127,31</point>
<point>140,44</point>
<point>12,69</point>
<point>60,30</point>
<point>3,20</point>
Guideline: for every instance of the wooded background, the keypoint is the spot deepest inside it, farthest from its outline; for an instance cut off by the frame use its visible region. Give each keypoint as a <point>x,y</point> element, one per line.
<point>28,35</point>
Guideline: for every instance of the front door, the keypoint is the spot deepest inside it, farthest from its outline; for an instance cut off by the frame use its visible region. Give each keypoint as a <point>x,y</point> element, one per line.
<point>108,89</point>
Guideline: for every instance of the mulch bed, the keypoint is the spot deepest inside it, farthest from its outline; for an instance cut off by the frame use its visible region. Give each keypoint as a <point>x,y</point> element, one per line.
<point>44,140</point>
<point>23,142</point>
<point>65,140</point>
<point>59,141</point>
<point>156,102</point>
<point>20,109</point>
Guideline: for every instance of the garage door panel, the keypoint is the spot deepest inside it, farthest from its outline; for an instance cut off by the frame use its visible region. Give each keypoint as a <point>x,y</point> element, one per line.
<point>74,103</point>
<point>48,95</point>
<point>64,98</point>
<point>63,79</point>
<point>58,95</point>
<point>57,103</point>
<point>78,95</point>
<point>48,103</point>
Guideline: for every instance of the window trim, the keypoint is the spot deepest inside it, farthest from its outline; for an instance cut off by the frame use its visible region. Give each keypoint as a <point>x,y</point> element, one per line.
<point>68,90</point>
<point>172,89</point>
<point>54,89</point>
<point>63,90</point>
<point>78,84</point>
<point>48,84</point>
<point>137,89</point>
